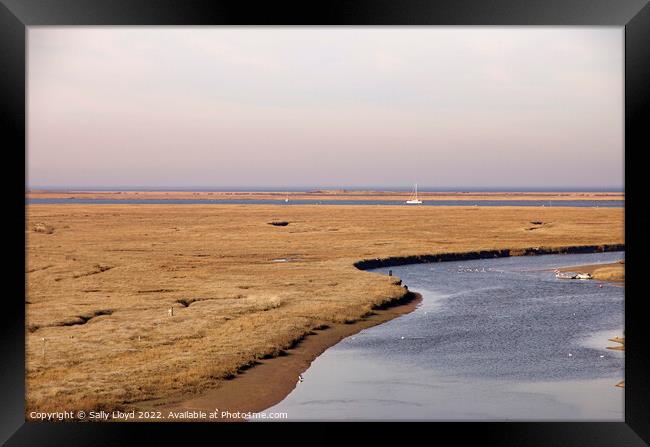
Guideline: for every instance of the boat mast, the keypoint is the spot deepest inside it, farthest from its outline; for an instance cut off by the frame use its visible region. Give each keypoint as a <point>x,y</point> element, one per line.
<point>414,196</point>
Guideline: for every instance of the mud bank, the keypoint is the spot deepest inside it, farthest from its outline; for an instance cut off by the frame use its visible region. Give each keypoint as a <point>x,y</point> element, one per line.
<point>367,264</point>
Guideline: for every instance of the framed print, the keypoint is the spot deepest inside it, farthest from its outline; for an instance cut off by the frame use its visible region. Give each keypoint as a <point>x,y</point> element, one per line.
<point>259,218</point>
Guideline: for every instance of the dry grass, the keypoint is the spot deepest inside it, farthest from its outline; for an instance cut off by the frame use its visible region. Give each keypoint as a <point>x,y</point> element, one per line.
<point>40,227</point>
<point>99,287</point>
<point>613,273</point>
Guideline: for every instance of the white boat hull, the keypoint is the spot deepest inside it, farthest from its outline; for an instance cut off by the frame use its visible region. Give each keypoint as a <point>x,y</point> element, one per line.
<point>561,275</point>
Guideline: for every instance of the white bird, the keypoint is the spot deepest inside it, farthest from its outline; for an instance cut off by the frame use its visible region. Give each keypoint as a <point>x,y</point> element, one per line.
<point>300,378</point>
<point>570,355</point>
<point>402,337</point>
<point>602,356</point>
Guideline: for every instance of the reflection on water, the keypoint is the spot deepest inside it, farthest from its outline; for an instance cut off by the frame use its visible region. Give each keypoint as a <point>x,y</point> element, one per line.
<point>498,339</point>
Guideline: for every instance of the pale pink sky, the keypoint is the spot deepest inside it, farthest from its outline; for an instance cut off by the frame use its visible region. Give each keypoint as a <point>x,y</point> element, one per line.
<point>289,107</point>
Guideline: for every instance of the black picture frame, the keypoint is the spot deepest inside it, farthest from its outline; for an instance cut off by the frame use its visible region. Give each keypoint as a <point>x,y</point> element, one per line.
<point>634,15</point>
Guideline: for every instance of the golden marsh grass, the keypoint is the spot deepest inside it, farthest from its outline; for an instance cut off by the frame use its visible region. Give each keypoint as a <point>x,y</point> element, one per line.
<point>101,279</point>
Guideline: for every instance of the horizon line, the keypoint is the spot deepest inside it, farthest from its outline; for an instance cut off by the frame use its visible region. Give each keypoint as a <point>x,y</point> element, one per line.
<point>311,188</point>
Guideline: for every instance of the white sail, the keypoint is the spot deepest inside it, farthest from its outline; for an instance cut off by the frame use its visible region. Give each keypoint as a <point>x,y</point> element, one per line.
<point>414,198</point>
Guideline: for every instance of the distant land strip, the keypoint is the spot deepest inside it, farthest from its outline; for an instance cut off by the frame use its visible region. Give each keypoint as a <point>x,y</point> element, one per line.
<point>341,194</point>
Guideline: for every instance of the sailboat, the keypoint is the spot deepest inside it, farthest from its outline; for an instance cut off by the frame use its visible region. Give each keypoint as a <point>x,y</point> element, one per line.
<point>414,198</point>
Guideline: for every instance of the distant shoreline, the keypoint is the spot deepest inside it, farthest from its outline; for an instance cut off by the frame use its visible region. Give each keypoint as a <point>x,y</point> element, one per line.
<point>341,194</point>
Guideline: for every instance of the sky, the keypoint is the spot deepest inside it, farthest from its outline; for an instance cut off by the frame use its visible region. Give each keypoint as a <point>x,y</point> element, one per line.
<point>280,107</point>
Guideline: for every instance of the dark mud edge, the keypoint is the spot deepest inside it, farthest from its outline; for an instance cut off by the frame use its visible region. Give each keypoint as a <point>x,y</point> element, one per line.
<point>366,264</point>
<point>404,299</point>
